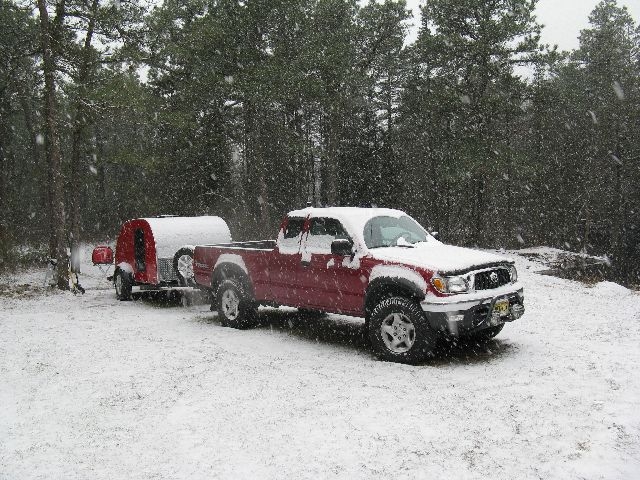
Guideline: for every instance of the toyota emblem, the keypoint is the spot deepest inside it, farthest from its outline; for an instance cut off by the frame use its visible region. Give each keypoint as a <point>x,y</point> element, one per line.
<point>493,277</point>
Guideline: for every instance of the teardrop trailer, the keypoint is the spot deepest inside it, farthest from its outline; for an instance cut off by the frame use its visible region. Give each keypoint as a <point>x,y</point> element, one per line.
<point>156,254</point>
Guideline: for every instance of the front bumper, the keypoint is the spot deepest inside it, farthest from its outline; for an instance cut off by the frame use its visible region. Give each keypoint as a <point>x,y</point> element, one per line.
<point>465,313</point>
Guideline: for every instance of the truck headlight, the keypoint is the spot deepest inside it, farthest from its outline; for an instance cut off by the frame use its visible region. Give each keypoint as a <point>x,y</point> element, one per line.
<point>450,284</point>
<point>513,273</point>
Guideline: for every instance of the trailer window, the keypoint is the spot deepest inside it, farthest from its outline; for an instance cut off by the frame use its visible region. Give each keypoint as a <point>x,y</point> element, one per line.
<point>138,246</point>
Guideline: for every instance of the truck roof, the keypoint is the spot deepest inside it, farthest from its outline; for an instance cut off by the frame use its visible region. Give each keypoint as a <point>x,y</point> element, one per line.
<point>346,212</point>
<point>353,218</point>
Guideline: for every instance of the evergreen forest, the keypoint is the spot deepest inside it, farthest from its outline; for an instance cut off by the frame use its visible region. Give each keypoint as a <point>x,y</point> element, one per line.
<point>116,109</point>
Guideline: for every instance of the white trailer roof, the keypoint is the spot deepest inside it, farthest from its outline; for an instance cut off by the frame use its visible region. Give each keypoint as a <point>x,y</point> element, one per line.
<point>172,233</point>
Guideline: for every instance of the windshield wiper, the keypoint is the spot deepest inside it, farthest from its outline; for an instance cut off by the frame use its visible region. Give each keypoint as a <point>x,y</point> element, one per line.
<point>389,246</point>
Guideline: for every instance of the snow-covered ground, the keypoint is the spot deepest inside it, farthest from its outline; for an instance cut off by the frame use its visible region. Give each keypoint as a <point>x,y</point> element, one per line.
<point>92,388</point>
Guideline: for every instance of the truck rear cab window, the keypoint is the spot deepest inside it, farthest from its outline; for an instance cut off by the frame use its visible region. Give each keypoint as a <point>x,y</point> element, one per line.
<point>290,242</point>
<point>139,250</point>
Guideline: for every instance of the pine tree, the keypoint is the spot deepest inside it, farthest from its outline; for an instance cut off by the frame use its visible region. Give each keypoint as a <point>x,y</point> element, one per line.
<point>465,54</point>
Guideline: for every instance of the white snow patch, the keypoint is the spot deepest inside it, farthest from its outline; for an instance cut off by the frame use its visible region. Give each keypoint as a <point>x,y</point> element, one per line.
<point>396,271</point>
<point>232,258</point>
<point>125,267</point>
<point>437,256</point>
<point>352,262</point>
<point>288,246</point>
<point>611,289</point>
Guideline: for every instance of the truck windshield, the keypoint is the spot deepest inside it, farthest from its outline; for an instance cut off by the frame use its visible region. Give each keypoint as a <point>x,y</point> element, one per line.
<point>390,231</point>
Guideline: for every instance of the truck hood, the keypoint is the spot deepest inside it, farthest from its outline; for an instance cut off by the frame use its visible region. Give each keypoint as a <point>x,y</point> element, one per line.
<point>437,256</point>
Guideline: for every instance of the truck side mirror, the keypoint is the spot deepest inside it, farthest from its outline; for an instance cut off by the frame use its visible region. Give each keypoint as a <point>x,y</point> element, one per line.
<point>436,235</point>
<point>342,247</point>
<point>102,255</point>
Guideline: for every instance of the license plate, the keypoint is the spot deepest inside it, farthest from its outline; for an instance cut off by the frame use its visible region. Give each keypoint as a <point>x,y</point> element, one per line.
<point>502,307</point>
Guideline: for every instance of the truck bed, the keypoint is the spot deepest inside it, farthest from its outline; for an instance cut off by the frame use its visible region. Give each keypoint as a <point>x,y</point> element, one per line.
<point>252,245</point>
<point>254,258</point>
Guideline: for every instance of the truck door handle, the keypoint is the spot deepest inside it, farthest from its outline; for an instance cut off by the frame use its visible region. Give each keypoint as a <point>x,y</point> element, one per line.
<point>306,263</point>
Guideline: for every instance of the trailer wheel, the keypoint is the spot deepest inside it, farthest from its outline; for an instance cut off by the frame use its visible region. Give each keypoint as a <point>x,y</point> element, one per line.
<point>122,282</point>
<point>183,266</point>
<point>235,306</point>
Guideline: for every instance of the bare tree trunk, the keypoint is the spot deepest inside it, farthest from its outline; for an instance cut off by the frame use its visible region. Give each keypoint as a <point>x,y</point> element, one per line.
<point>587,229</point>
<point>310,164</point>
<point>3,172</point>
<point>56,198</point>
<point>617,214</point>
<point>75,184</point>
<point>78,130</point>
<point>36,155</point>
<point>479,217</point>
<point>258,168</point>
<point>3,166</point>
<point>329,162</point>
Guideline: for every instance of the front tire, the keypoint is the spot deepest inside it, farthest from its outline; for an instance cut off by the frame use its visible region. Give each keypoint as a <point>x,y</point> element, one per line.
<point>236,308</point>
<point>123,284</point>
<point>399,331</point>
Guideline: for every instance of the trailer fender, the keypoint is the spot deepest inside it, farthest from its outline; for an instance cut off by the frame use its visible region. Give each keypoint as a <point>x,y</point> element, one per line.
<point>125,267</point>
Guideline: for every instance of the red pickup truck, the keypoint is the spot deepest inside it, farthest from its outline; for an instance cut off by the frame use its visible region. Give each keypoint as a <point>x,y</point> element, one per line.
<point>375,263</point>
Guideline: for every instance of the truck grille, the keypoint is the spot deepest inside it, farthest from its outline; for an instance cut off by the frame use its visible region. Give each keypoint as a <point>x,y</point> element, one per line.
<point>166,273</point>
<point>492,279</point>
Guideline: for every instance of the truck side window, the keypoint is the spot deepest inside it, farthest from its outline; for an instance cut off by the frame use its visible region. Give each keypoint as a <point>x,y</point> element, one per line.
<point>290,243</point>
<point>323,231</point>
<point>138,247</point>
<point>294,227</point>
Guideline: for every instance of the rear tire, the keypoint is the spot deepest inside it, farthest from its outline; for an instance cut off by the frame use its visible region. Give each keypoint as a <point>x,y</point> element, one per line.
<point>399,331</point>
<point>236,308</point>
<point>123,284</point>
<point>183,266</point>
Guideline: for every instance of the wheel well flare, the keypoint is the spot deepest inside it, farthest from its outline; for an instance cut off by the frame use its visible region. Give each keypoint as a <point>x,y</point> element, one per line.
<point>226,271</point>
<point>382,288</point>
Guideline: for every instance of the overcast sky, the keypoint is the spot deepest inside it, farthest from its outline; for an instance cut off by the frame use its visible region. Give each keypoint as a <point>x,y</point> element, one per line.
<point>563,19</point>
